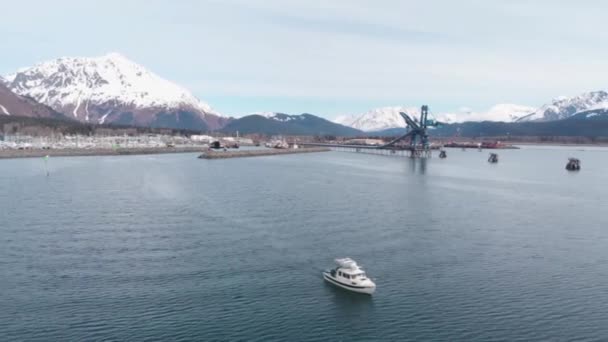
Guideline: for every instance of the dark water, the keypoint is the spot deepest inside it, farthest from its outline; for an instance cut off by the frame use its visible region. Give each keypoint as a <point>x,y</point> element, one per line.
<point>169,247</point>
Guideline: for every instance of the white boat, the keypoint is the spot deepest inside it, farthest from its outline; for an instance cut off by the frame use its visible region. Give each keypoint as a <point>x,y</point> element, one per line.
<point>282,144</point>
<point>348,275</point>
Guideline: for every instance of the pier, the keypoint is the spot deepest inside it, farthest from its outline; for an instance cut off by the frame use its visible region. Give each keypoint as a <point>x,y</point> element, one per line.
<point>416,132</point>
<point>388,151</point>
<point>258,153</point>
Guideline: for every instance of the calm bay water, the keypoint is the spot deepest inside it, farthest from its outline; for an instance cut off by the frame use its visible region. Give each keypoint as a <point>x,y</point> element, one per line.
<point>169,247</point>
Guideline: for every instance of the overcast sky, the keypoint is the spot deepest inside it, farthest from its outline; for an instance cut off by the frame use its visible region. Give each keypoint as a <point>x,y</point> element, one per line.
<point>330,57</point>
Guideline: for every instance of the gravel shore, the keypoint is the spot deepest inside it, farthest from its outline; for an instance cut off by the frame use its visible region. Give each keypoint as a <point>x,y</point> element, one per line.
<point>35,153</point>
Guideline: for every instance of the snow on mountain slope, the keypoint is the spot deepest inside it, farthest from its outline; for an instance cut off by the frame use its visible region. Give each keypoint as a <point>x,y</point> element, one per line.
<point>565,107</point>
<point>378,119</point>
<point>15,105</point>
<point>282,117</point>
<point>265,114</point>
<point>500,112</point>
<point>286,124</point>
<point>345,120</point>
<point>4,110</point>
<point>388,117</point>
<point>111,88</point>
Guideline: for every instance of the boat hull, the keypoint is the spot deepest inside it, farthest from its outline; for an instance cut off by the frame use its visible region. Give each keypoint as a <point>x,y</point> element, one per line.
<point>358,289</point>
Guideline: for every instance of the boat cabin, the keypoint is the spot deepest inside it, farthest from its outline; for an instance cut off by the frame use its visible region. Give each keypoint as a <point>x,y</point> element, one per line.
<point>350,276</point>
<point>348,273</point>
<point>348,270</point>
<point>573,164</point>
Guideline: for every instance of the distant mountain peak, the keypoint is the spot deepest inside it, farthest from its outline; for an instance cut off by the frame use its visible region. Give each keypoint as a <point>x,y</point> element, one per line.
<point>564,107</point>
<point>111,88</point>
<point>111,77</point>
<point>277,116</point>
<point>378,119</point>
<point>114,55</point>
<point>264,114</point>
<point>503,112</point>
<point>288,124</point>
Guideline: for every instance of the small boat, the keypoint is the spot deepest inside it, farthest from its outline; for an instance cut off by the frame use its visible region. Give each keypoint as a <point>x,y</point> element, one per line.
<point>493,158</point>
<point>348,275</point>
<point>280,144</point>
<point>573,164</point>
<point>216,145</point>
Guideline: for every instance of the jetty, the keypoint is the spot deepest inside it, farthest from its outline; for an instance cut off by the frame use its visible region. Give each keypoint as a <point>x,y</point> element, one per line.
<point>258,153</point>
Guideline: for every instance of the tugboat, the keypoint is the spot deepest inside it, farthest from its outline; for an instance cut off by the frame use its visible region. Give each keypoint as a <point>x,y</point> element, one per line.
<point>349,276</point>
<point>216,145</point>
<point>493,158</point>
<point>573,164</point>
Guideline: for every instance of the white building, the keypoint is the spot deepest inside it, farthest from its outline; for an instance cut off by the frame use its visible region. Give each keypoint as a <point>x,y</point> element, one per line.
<point>202,138</point>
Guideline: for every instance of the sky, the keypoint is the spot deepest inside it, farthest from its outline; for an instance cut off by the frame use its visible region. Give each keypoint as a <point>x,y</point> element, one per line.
<point>330,57</point>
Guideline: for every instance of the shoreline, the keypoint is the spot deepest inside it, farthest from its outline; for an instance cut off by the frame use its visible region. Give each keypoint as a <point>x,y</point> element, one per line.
<point>39,153</point>
<point>81,152</point>
<point>561,144</point>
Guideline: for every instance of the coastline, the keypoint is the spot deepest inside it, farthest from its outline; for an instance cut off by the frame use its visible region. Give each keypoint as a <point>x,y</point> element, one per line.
<point>39,153</point>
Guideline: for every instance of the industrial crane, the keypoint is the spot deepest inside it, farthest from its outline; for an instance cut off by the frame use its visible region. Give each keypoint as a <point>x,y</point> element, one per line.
<point>417,131</point>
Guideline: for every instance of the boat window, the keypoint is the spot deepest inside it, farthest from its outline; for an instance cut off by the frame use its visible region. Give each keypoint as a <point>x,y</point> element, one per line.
<point>345,275</point>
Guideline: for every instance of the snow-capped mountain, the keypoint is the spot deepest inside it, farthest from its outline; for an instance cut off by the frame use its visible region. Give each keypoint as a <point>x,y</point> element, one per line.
<point>565,107</point>
<point>113,89</point>
<point>378,119</point>
<point>500,112</point>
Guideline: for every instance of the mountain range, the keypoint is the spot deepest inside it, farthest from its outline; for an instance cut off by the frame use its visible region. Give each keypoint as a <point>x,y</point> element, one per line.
<point>566,107</point>
<point>585,124</point>
<point>112,89</point>
<point>388,118</point>
<point>280,123</point>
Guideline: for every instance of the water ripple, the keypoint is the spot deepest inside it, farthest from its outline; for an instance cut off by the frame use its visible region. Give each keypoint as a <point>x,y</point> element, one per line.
<point>173,248</point>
